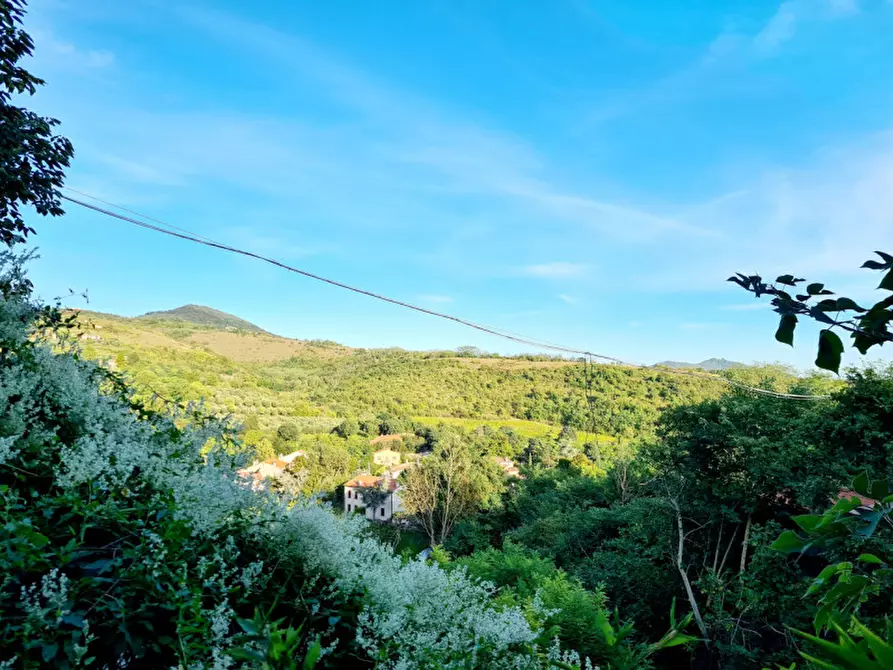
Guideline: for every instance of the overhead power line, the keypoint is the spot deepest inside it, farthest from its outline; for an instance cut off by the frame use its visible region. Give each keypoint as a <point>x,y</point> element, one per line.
<point>183,234</point>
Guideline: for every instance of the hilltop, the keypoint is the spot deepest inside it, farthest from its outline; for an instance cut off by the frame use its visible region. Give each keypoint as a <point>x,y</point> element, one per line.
<point>711,364</point>
<point>266,380</point>
<point>203,316</point>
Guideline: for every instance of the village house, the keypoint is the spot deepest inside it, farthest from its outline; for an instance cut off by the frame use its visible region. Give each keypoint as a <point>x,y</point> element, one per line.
<point>270,468</point>
<point>386,456</point>
<point>385,511</point>
<point>508,467</point>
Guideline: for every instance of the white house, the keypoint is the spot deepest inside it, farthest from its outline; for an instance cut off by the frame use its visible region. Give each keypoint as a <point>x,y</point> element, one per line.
<point>386,457</point>
<point>353,497</point>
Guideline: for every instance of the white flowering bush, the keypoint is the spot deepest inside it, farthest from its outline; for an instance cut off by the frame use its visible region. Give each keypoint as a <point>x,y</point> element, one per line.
<point>125,539</point>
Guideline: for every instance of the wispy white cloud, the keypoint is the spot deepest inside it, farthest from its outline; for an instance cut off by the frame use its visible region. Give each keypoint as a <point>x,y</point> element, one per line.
<point>722,59</point>
<point>66,55</point>
<point>819,220</point>
<point>569,299</point>
<point>437,150</point>
<point>844,7</point>
<point>557,270</point>
<point>783,24</point>
<point>778,30</point>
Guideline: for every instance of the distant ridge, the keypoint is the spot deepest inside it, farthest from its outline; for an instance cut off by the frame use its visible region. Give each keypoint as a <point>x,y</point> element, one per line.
<point>709,364</point>
<point>204,316</point>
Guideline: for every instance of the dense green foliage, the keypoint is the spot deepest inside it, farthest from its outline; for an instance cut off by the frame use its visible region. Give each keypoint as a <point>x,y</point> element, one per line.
<point>704,498</point>
<point>128,538</point>
<point>265,381</point>
<point>32,158</point>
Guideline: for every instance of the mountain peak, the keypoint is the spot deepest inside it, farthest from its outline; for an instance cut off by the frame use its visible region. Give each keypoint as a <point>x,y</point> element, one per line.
<point>201,315</point>
<point>709,364</point>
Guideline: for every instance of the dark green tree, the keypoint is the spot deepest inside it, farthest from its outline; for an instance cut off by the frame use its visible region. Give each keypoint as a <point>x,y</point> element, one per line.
<point>347,428</point>
<point>32,157</point>
<point>288,433</point>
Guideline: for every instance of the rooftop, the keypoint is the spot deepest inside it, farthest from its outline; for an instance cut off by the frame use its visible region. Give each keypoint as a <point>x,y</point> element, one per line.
<point>370,481</point>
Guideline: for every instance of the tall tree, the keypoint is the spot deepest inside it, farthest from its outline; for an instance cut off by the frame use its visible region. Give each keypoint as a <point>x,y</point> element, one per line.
<point>448,486</point>
<point>32,157</point>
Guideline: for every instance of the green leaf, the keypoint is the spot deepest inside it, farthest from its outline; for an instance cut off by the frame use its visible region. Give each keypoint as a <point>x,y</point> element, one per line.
<point>848,304</point>
<point>248,626</point>
<point>73,619</point>
<point>887,257</point>
<point>864,342</point>
<point>883,652</point>
<point>887,281</point>
<point>818,662</point>
<point>35,539</point>
<point>243,654</point>
<point>787,280</point>
<point>874,265</point>
<point>830,349</point>
<point>828,571</point>
<point>872,519</point>
<point>98,567</point>
<point>815,289</point>
<point>808,522</point>
<point>785,332</point>
<point>870,558</point>
<point>313,654</point>
<point>49,651</point>
<point>789,542</point>
<point>676,640</point>
<point>861,484</point>
<point>601,620</point>
<point>879,489</point>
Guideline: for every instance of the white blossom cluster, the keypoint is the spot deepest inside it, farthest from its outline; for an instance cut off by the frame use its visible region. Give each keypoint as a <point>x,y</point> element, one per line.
<point>414,615</point>
<point>47,606</point>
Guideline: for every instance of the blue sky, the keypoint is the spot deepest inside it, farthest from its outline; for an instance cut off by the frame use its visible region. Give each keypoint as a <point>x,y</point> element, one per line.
<point>578,171</point>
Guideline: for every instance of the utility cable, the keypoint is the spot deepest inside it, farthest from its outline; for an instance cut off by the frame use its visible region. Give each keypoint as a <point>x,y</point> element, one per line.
<point>167,229</point>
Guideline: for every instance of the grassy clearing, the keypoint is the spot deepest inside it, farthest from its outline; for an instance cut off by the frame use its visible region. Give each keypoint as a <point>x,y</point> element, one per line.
<point>520,426</point>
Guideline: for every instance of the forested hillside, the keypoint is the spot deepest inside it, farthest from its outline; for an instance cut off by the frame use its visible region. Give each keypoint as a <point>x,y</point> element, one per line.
<point>573,516</point>
<point>266,379</point>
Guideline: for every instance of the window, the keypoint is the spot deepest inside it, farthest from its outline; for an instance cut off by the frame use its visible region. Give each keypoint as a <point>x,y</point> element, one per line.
<point>349,493</point>
<point>382,511</point>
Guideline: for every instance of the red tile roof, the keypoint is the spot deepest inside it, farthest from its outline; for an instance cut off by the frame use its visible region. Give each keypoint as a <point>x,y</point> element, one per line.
<point>849,493</point>
<point>386,438</point>
<point>370,481</point>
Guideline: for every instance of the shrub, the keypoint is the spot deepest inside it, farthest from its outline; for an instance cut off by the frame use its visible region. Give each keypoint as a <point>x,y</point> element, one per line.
<point>127,538</point>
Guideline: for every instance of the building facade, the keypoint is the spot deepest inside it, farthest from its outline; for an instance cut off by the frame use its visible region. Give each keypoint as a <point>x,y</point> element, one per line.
<point>383,511</point>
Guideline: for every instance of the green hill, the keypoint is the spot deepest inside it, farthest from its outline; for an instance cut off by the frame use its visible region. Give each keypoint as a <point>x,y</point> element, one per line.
<point>711,364</point>
<point>203,316</point>
<point>267,380</point>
